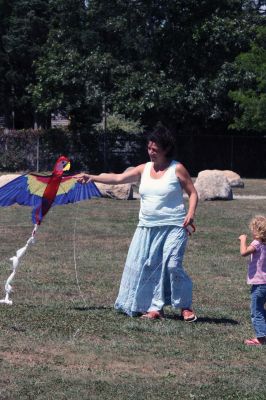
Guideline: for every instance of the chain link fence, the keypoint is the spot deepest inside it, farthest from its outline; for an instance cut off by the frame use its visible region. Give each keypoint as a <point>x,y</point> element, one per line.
<point>35,150</point>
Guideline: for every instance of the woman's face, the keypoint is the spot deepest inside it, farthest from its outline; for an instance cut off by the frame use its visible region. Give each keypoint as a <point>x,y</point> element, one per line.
<point>156,153</point>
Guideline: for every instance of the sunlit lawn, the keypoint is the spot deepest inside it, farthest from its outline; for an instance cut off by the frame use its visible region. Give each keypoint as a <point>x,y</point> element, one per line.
<point>62,339</point>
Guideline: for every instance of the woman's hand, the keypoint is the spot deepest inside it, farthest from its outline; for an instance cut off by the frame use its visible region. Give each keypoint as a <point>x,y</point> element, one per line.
<point>188,220</point>
<point>83,178</point>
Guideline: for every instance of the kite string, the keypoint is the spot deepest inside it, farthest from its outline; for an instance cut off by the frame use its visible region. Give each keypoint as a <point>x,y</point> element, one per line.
<point>74,252</point>
<point>77,278</point>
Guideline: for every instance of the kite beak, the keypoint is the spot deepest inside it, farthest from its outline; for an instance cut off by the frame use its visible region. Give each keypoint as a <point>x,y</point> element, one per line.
<point>67,167</point>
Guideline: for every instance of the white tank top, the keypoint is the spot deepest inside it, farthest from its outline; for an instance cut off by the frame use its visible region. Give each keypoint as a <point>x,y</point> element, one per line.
<point>161,200</point>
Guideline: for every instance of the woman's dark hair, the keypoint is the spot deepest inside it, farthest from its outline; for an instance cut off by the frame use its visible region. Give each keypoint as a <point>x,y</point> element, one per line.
<point>163,138</point>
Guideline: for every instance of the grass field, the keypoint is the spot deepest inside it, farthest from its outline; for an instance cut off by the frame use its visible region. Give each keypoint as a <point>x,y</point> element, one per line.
<point>62,339</point>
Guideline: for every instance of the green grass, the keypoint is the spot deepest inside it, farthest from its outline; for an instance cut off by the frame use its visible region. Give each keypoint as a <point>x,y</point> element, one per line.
<point>255,187</point>
<point>64,341</point>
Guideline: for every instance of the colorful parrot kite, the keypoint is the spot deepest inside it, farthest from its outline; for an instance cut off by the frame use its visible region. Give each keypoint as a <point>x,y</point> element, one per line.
<point>42,192</point>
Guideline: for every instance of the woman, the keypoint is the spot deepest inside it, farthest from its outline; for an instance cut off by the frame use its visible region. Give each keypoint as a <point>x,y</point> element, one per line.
<point>153,276</point>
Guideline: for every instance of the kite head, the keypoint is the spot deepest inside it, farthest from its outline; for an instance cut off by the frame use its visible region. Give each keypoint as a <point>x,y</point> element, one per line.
<point>61,165</point>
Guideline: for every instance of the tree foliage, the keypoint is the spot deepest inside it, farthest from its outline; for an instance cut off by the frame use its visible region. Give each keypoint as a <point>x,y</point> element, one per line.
<point>251,95</point>
<point>26,25</point>
<point>149,61</point>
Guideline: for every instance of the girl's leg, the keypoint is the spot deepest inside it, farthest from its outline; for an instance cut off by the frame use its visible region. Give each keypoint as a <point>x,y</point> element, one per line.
<point>258,313</point>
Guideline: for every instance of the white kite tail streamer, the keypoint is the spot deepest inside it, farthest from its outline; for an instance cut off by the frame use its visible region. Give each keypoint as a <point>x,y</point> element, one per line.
<point>15,263</point>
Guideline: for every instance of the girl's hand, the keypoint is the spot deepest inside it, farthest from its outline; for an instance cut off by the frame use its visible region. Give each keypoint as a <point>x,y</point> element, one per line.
<point>244,249</point>
<point>242,238</point>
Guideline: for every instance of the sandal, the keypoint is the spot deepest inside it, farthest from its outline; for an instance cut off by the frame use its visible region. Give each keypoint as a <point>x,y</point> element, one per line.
<point>188,315</point>
<point>255,342</point>
<point>153,315</point>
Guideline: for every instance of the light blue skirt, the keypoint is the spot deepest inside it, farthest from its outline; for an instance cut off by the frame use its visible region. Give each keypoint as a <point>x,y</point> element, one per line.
<point>153,276</point>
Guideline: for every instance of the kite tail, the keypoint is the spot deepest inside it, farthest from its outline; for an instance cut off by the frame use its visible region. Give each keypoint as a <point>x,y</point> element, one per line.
<point>15,263</point>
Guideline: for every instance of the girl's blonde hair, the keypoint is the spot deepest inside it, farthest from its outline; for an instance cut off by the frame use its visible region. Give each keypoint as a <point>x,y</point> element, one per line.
<point>258,227</point>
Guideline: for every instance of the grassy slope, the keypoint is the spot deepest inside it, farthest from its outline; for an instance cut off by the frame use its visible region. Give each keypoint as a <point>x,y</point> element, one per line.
<point>59,341</point>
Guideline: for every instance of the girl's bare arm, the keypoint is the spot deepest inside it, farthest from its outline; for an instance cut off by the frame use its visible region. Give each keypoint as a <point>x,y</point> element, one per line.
<point>245,250</point>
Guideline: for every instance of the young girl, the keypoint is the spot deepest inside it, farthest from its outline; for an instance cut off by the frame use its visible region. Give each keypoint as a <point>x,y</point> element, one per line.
<point>256,277</point>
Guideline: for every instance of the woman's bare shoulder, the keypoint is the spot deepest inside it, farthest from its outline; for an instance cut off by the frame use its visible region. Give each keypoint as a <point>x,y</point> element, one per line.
<point>180,168</point>
<point>141,167</point>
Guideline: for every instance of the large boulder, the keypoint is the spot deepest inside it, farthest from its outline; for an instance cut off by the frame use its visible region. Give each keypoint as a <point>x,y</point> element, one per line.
<point>213,186</point>
<point>233,178</point>
<point>4,179</point>
<point>119,192</point>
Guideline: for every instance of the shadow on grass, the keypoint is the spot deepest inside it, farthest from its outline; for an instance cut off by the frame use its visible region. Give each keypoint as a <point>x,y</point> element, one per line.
<point>207,320</point>
<point>92,308</point>
<point>201,320</point>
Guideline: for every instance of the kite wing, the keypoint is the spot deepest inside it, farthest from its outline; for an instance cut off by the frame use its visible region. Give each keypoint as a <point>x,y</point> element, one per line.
<point>28,190</point>
<point>59,191</point>
<point>71,191</point>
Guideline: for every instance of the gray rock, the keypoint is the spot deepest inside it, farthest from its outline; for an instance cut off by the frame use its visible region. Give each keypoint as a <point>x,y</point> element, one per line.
<point>119,192</point>
<point>233,178</point>
<point>4,179</point>
<point>213,186</point>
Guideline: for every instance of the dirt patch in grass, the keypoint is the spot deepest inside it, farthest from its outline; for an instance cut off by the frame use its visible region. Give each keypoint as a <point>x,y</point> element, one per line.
<point>67,362</point>
<point>19,358</point>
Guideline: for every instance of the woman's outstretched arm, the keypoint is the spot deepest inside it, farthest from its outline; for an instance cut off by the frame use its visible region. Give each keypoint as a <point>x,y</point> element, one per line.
<point>130,176</point>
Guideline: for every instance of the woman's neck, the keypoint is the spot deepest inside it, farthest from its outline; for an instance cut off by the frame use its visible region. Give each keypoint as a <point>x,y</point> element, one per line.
<point>161,165</point>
